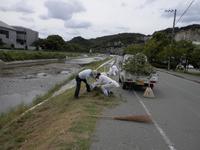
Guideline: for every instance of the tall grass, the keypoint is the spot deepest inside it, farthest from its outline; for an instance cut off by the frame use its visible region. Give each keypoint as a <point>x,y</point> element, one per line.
<point>12,55</point>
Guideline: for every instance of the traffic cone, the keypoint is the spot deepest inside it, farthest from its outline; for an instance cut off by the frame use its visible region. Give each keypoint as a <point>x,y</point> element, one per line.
<point>148,93</point>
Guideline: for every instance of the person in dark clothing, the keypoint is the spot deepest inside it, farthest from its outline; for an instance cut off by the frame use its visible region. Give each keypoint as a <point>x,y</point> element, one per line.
<point>83,76</point>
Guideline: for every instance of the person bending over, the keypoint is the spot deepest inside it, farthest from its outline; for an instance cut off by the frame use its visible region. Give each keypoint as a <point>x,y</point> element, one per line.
<point>105,83</point>
<point>83,76</point>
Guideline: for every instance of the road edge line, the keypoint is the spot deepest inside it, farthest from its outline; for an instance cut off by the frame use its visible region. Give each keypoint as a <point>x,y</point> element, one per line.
<point>160,130</point>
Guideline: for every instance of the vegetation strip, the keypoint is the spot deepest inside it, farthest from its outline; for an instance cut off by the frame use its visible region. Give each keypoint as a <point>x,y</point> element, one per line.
<point>61,123</point>
<point>13,55</point>
<point>180,76</point>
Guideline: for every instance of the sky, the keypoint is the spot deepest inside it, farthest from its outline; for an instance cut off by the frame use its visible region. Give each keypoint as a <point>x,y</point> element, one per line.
<point>95,18</point>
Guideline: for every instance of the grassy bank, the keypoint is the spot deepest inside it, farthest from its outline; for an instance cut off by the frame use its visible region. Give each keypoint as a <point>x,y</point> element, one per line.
<point>193,73</point>
<point>60,123</point>
<point>5,118</point>
<point>188,72</point>
<point>13,55</point>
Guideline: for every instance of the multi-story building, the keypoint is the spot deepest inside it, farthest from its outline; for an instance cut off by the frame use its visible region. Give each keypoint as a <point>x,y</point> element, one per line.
<point>17,37</point>
<point>8,34</point>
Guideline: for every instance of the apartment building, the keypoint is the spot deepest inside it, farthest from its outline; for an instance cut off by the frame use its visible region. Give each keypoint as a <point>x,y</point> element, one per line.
<point>17,36</point>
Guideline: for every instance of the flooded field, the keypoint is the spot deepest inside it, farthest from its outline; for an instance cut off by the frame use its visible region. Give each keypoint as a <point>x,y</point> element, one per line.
<point>21,85</point>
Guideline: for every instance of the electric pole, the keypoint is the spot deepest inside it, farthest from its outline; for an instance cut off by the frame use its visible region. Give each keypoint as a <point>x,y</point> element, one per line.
<point>173,24</point>
<point>172,36</point>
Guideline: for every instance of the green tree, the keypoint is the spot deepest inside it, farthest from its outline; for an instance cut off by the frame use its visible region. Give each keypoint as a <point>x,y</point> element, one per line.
<point>40,43</point>
<point>134,49</point>
<point>156,45</point>
<point>54,42</point>
<point>195,55</point>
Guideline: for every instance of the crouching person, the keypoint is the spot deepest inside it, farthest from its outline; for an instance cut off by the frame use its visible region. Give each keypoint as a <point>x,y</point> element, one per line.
<point>83,76</point>
<point>105,83</point>
<point>113,71</point>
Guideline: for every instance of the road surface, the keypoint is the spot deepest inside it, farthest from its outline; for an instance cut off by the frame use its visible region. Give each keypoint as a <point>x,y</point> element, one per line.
<point>175,112</point>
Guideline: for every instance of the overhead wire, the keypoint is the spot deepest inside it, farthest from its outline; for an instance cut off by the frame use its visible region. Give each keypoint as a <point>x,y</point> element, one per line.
<point>185,11</point>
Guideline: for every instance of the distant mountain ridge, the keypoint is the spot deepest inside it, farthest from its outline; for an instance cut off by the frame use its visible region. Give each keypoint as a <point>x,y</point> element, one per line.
<point>188,33</point>
<point>110,42</point>
<point>116,42</point>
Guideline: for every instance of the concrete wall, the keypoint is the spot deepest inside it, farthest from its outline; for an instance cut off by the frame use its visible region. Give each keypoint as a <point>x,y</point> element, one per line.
<point>32,36</point>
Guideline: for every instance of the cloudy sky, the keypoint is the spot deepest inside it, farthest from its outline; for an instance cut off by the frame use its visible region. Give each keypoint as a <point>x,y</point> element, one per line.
<point>94,18</point>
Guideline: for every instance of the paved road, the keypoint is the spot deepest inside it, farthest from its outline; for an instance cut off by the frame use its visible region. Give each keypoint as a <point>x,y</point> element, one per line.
<point>176,119</point>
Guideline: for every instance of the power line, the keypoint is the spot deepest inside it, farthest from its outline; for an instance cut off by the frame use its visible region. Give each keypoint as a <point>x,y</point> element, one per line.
<point>185,11</point>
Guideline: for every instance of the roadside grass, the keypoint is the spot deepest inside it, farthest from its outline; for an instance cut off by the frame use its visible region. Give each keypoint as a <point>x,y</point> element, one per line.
<point>188,72</point>
<point>62,123</point>
<point>14,134</point>
<point>13,55</point>
<point>193,73</point>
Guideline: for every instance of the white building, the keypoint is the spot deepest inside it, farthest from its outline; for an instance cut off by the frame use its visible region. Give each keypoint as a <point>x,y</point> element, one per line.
<point>17,37</point>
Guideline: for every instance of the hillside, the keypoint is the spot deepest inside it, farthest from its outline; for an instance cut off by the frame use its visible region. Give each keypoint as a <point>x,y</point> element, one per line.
<point>188,33</point>
<point>110,43</point>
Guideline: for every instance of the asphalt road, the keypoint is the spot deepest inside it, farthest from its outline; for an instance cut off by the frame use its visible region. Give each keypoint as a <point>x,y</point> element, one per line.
<point>175,113</point>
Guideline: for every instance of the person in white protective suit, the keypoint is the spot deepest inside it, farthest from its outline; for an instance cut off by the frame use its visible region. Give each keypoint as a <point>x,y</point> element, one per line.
<point>105,83</point>
<point>113,71</point>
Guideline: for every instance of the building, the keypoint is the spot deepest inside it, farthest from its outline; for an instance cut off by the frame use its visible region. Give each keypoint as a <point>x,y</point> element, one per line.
<point>17,37</point>
<point>8,34</point>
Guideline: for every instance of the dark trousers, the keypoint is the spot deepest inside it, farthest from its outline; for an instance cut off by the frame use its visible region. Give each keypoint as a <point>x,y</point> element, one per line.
<point>78,86</point>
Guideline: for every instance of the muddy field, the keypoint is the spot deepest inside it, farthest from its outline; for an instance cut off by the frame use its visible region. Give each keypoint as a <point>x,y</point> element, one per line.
<point>23,84</point>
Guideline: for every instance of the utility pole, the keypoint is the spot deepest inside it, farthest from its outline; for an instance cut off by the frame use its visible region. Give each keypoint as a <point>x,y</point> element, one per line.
<point>172,37</point>
<point>173,24</point>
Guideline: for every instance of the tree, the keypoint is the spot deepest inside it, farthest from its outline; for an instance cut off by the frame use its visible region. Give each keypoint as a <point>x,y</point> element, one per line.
<point>134,49</point>
<point>40,43</point>
<point>186,49</point>
<point>54,42</point>
<point>195,55</point>
<point>156,45</point>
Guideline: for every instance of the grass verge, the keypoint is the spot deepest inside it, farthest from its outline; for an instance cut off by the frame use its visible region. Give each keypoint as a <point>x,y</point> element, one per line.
<point>61,123</point>
<point>5,118</point>
<point>193,73</point>
<point>188,72</point>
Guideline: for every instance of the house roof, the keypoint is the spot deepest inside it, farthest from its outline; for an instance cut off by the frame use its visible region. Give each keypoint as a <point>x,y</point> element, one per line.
<point>4,25</point>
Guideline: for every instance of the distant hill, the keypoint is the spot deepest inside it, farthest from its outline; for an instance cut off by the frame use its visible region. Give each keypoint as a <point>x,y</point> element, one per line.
<point>110,42</point>
<point>117,42</point>
<point>188,33</point>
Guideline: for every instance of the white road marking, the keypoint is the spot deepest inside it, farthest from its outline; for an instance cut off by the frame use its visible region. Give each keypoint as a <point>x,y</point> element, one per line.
<point>160,130</point>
